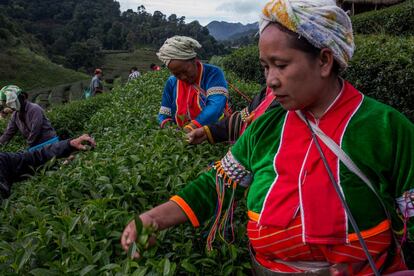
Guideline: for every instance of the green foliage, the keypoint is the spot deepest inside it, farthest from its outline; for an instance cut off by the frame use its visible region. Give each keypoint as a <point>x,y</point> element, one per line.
<point>236,86</point>
<point>144,28</point>
<point>250,89</point>
<point>83,55</point>
<point>119,64</point>
<point>245,63</point>
<point>217,61</point>
<point>382,67</point>
<point>398,19</point>
<point>244,39</point>
<point>69,121</point>
<point>75,32</point>
<point>69,220</point>
<point>29,70</point>
<point>12,33</point>
<point>8,31</point>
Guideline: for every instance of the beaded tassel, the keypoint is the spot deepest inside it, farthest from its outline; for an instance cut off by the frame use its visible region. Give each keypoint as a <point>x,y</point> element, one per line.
<point>227,220</point>
<point>222,223</point>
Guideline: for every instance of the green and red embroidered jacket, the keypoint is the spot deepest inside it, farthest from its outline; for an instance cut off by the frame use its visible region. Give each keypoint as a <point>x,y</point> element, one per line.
<point>277,161</point>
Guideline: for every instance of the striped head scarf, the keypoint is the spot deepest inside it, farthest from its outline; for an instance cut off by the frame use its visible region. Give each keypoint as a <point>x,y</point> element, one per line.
<point>178,47</point>
<point>9,97</point>
<point>321,22</point>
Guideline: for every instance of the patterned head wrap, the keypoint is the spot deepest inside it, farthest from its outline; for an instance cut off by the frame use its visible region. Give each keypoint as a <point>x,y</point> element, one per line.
<point>321,22</point>
<point>178,47</point>
<point>9,96</point>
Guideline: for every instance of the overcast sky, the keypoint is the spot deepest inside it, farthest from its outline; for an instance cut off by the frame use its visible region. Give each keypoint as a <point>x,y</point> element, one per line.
<point>205,11</point>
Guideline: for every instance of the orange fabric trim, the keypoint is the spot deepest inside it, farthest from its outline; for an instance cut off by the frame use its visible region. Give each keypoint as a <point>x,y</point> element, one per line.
<point>382,227</point>
<point>209,135</point>
<point>187,210</point>
<point>253,216</point>
<point>189,127</point>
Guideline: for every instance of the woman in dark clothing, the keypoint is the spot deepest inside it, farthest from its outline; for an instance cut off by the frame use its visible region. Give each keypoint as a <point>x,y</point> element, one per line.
<point>15,165</point>
<point>28,118</point>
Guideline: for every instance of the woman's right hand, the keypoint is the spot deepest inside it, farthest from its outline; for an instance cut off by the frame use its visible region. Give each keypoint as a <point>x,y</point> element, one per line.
<point>197,136</point>
<point>159,218</point>
<point>79,143</point>
<point>129,236</point>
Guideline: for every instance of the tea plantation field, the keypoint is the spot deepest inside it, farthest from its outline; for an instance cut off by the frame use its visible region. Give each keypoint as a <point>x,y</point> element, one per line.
<point>68,218</point>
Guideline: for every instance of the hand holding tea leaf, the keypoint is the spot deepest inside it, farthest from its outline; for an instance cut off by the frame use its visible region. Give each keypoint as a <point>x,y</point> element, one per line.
<point>146,236</point>
<point>139,233</point>
<point>83,142</point>
<point>197,136</point>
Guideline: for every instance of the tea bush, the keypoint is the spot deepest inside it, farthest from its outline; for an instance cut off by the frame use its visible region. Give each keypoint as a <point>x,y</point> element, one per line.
<point>248,88</point>
<point>245,63</point>
<point>217,61</point>
<point>382,68</point>
<point>73,118</point>
<point>395,20</point>
<point>69,220</point>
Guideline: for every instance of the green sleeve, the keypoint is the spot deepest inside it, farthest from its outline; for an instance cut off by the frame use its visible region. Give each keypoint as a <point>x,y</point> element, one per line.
<point>241,149</point>
<point>380,141</point>
<point>199,197</point>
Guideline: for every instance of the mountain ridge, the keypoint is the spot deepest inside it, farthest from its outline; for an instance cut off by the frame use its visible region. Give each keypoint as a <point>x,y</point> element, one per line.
<point>222,30</point>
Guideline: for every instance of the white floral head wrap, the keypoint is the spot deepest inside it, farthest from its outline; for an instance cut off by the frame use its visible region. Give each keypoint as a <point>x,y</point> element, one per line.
<point>178,47</point>
<point>321,22</point>
<point>9,97</point>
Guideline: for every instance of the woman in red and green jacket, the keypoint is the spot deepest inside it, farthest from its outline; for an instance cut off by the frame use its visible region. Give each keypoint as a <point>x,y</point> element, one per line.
<point>297,222</point>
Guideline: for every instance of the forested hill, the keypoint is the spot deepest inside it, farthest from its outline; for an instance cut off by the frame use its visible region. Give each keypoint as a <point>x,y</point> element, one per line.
<point>73,32</point>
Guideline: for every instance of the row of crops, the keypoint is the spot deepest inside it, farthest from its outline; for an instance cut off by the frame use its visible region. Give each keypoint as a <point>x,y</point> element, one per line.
<point>68,219</point>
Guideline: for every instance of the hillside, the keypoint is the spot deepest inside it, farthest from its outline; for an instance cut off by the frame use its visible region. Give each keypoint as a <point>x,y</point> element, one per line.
<point>74,33</point>
<point>23,58</point>
<point>49,84</point>
<point>29,70</point>
<point>228,31</point>
<point>118,64</point>
<point>248,33</point>
<point>68,220</point>
<point>37,35</point>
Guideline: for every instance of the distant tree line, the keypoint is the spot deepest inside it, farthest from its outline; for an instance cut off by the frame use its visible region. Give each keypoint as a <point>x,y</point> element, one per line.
<point>242,41</point>
<point>74,32</point>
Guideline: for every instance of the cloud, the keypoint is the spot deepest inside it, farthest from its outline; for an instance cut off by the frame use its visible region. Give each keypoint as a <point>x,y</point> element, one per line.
<point>241,7</point>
